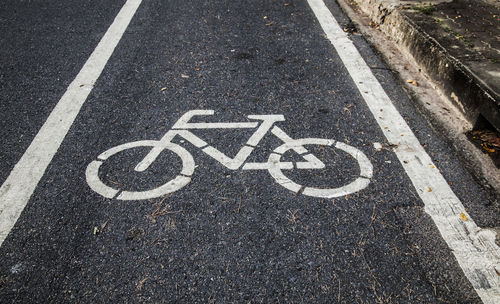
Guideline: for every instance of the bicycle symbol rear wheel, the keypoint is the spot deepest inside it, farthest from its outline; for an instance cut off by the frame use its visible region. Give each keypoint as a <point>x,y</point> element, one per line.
<point>361,182</point>
<point>181,180</point>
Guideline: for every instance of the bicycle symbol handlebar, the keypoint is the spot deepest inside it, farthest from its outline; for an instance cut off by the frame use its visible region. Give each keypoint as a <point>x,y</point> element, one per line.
<point>274,165</point>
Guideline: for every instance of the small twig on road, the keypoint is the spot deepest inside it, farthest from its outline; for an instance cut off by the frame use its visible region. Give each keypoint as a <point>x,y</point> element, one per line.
<point>159,211</point>
<point>292,216</point>
<point>103,226</point>
<point>116,183</point>
<point>371,222</point>
<point>239,206</point>
<point>141,284</point>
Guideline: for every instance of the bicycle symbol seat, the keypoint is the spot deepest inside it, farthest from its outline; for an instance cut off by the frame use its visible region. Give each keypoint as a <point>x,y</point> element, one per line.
<point>262,123</point>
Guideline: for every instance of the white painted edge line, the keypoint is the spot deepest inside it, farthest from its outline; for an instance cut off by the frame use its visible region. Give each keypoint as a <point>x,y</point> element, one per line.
<point>17,189</point>
<point>474,248</point>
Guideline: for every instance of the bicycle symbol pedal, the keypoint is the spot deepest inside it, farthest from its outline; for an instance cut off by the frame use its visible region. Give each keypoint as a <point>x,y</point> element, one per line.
<point>274,165</point>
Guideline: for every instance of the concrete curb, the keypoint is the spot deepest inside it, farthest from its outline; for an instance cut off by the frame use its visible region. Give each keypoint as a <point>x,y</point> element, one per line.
<point>467,90</point>
<point>429,96</point>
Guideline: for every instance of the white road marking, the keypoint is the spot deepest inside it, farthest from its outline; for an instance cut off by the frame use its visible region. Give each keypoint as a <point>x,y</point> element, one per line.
<point>22,181</point>
<point>273,165</point>
<point>181,180</point>
<point>358,184</point>
<point>221,125</point>
<point>312,162</point>
<point>183,122</point>
<point>266,166</point>
<point>267,123</point>
<point>228,162</point>
<point>285,138</point>
<point>239,159</point>
<point>473,247</point>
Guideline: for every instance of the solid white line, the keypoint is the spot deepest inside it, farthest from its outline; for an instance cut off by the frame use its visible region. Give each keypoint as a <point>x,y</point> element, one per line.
<point>474,248</point>
<point>220,125</point>
<point>23,179</point>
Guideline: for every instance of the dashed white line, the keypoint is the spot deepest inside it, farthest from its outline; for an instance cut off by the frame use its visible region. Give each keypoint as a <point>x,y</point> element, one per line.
<point>17,189</point>
<point>474,248</point>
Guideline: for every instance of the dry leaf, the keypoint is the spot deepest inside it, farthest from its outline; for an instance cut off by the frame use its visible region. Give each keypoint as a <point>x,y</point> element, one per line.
<point>412,81</point>
<point>347,109</point>
<point>104,225</point>
<point>269,24</point>
<point>463,217</point>
<point>487,149</point>
<point>429,189</point>
<point>141,284</point>
<point>489,137</point>
<point>492,140</point>
<point>184,76</point>
<point>163,89</point>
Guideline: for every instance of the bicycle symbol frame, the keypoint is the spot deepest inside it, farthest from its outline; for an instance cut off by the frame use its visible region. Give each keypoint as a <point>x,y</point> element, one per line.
<point>263,124</point>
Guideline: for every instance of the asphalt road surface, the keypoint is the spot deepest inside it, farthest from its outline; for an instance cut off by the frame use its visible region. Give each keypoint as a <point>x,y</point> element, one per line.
<point>219,152</point>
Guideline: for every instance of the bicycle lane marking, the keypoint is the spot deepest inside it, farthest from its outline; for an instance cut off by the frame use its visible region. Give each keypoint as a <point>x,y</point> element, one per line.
<point>474,248</point>
<point>17,189</point>
<point>273,165</point>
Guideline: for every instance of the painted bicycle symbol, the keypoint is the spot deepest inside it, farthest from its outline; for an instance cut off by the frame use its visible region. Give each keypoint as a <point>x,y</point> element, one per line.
<point>274,165</point>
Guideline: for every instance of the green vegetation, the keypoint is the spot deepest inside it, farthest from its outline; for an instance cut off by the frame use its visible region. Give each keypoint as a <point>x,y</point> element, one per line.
<point>424,9</point>
<point>452,32</point>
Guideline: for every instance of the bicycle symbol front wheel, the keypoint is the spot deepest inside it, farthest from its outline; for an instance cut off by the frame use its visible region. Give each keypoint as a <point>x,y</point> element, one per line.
<point>361,182</point>
<point>181,180</point>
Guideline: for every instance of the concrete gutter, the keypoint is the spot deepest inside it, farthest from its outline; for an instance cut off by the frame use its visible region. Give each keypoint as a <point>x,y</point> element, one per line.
<point>471,82</point>
<point>451,92</point>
